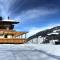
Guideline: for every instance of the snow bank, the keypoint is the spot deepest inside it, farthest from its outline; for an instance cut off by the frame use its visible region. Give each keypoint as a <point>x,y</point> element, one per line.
<point>16,47</point>
<point>29,52</point>
<point>52,49</point>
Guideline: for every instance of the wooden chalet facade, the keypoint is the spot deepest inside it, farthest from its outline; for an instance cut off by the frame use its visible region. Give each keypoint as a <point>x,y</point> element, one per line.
<point>8,35</point>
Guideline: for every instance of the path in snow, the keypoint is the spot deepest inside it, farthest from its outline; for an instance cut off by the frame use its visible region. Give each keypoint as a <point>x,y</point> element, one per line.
<point>25,52</point>
<point>25,55</point>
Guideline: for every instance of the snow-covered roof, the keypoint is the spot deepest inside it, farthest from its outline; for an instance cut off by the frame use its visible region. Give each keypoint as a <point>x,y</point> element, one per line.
<point>56,30</point>
<point>10,20</point>
<point>53,33</point>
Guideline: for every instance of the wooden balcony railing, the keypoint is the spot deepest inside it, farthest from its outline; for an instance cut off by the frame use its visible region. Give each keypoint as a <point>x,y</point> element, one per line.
<point>12,41</point>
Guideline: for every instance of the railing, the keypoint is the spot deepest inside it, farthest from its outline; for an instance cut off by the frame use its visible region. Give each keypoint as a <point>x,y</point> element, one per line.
<point>12,41</point>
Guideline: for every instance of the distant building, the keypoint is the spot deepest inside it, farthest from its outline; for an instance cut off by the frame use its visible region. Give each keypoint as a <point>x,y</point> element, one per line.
<point>53,38</point>
<point>47,36</point>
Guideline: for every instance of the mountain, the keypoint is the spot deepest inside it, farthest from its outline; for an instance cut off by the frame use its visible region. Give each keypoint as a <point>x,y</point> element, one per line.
<point>45,32</point>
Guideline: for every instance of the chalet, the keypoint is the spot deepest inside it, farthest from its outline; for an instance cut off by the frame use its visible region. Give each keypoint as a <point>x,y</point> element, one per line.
<point>8,35</point>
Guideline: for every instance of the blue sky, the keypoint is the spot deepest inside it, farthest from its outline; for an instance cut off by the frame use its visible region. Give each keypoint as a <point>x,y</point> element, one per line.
<point>33,15</point>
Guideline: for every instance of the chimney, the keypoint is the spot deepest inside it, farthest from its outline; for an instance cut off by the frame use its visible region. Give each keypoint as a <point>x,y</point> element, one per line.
<point>1,18</point>
<point>8,17</point>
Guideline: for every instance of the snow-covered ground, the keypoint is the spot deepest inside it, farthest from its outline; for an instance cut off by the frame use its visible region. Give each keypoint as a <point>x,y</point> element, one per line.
<point>29,52</point>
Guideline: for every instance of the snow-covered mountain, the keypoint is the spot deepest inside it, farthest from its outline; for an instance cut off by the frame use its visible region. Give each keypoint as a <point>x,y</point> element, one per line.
<point>46,36</point>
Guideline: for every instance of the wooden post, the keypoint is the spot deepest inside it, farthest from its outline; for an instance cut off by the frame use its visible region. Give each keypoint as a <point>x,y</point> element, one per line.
<point>21,36</point>
<point>25,35</point>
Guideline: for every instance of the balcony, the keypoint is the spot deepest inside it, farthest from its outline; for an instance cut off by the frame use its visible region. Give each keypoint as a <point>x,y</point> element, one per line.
<point>12,41</point>
<point>12,37</point>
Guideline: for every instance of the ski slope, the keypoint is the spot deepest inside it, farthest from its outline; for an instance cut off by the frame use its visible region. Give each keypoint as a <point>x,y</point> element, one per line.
<point>29,52</point>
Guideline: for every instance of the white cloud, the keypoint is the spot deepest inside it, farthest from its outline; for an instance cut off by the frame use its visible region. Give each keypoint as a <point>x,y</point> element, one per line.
<point>35,13</point>
<point>5,6</point>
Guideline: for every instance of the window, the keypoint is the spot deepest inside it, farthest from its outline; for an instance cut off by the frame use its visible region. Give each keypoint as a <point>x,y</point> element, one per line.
<point>5,36</point>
